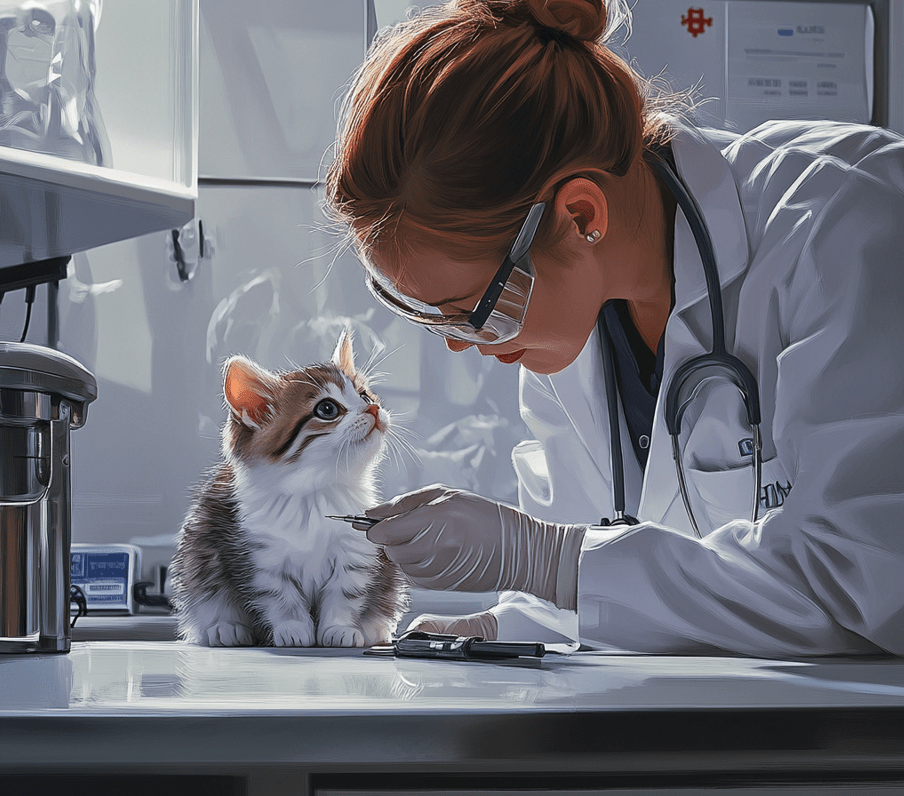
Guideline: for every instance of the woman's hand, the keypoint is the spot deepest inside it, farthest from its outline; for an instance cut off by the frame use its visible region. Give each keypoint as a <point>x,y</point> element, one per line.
<point>482,624</point>
<point>448,539</point>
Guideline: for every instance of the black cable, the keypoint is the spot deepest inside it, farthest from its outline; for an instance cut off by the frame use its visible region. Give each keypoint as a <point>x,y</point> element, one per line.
<point>29,300</point>
<point>179,257</point>
<point>77,596</point>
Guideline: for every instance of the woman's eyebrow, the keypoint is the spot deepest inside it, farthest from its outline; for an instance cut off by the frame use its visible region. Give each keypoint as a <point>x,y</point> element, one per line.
<point>446,301</point>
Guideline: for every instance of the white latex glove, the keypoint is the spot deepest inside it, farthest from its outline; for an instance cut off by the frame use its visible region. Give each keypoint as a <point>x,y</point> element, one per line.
<point>448,539</point>
<point>481,624</point>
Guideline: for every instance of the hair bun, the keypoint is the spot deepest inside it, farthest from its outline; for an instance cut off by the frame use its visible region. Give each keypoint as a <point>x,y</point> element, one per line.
<point>582,19</point>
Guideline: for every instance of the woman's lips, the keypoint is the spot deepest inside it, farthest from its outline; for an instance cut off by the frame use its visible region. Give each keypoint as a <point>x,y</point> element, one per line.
<point>508,359</point>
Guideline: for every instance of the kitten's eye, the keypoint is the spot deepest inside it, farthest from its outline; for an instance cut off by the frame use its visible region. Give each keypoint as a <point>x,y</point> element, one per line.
<point>327,409</point>
<point>366,397</point>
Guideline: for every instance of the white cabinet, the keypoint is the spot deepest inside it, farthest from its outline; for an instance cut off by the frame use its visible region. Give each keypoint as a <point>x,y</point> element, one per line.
<point>272,76</point>
<point>101,146</point>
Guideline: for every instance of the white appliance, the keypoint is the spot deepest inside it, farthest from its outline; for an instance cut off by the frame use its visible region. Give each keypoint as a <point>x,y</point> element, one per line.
<point>755,60</point>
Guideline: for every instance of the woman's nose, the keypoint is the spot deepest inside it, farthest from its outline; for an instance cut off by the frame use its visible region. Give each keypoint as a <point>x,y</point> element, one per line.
<point>457,345</point>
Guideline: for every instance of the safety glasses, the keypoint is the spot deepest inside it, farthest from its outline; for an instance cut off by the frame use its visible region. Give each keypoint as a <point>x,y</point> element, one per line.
<point>498,316</point>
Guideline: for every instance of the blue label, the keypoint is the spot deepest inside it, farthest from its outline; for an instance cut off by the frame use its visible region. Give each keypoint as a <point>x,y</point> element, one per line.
<point>745,446</point>
<point>77,565</point>
<point>785,32</point>
<point>103,577</point>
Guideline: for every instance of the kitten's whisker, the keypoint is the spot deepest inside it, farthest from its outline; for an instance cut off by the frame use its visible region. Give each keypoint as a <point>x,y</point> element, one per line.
<point>400,426</point>
<point>380,361</point>
<point>401,445</point>
<point>376,378</point>
<point>393,455</point>
<point>394,413</point>
<point>406,435</point>
<point>375,352</point>
<point>403,457</point>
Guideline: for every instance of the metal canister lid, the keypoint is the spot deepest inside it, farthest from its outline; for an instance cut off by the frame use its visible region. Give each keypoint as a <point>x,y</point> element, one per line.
<point>24,366</point>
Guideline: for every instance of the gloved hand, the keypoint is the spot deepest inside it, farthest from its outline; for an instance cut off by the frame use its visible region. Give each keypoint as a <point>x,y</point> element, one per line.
<point>448,539</point>
<point>481,624</point>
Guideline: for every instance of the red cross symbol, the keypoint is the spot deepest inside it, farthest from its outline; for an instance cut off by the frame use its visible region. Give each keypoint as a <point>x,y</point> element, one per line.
<point>695,21</point>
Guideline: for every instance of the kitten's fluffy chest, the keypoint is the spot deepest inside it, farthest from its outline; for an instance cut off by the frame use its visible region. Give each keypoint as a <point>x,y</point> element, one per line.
<point>289,534</point>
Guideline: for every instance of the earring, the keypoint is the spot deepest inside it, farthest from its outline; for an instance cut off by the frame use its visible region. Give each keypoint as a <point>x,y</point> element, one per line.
<point>593,237</point>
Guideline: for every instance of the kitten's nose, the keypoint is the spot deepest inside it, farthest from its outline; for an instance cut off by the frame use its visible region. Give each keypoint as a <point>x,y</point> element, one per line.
<point>373,409</point>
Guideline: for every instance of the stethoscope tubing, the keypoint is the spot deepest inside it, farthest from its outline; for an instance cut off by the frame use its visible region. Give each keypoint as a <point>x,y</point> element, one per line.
<point>718,357</point>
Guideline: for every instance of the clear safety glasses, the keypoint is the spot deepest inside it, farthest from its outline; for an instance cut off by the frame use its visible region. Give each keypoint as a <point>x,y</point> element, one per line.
<point>498,316</point>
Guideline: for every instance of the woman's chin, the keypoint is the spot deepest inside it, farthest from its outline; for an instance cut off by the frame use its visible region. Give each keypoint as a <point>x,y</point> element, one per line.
<point>544,362</point>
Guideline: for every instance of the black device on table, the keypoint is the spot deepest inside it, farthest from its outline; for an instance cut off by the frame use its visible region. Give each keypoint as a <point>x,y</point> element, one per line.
<point>448,646</point>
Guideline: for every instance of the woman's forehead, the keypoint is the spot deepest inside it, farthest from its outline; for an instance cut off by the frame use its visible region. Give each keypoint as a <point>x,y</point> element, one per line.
<point>434,278</point>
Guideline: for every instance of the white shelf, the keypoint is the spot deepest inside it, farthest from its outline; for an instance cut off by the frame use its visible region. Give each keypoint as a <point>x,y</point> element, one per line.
<point>50,207</point>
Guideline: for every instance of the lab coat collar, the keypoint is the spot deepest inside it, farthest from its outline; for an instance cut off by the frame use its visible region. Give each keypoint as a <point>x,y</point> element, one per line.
<point>580,387</point>
<point>708,178</point>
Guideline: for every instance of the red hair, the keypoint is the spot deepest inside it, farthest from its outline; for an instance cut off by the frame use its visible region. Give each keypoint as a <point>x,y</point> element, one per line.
<point>465,115</point>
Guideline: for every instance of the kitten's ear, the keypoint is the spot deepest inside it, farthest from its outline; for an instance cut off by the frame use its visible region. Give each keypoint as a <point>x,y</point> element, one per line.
<point>250,391</point>
<point>343,356</point>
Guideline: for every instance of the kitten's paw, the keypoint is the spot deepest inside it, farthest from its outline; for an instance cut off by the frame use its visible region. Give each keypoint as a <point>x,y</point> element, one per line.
<point>341,636</point>
<point>293,633</point>
<point>229,634</point>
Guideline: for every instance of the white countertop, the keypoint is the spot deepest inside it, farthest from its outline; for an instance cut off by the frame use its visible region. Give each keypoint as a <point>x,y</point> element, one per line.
<point>169,678</point>
<point>115,703</point>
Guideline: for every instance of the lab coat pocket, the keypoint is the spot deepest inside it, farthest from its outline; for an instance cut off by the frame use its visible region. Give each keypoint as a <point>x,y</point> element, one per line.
<point>720,496</point>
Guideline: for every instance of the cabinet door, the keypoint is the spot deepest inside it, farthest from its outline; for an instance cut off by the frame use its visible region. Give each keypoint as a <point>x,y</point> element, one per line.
<point>272,78</point>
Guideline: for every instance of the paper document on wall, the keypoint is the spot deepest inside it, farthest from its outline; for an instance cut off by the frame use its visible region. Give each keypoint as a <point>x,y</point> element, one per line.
<point>799,60</point>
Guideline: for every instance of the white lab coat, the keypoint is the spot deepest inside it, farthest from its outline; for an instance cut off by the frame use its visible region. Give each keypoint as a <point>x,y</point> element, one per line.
<point>807,221</point>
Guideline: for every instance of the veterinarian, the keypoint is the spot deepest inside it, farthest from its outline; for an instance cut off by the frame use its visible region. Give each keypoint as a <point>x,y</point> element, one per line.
<point>709,328</point>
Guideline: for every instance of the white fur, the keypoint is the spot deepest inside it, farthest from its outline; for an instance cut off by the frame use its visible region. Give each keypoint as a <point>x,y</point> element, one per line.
<point>217,623</point>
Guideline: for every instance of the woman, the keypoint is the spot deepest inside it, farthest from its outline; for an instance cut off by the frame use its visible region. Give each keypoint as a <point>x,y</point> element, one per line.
<point>496,128</point>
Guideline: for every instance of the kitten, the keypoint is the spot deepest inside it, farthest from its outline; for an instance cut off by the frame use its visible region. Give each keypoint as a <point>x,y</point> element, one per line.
<point>257,560</point>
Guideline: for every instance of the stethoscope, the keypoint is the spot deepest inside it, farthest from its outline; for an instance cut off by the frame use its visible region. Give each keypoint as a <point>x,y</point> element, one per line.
<point>683,386</point>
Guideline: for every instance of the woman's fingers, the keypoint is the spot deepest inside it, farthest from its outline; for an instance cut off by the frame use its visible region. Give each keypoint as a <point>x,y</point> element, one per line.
<point>408,502</point>
<point>481,624</point>
<point>399,533</point>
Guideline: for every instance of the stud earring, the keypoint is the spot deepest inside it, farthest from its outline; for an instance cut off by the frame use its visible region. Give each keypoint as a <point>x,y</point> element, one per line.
<point>593,237</point>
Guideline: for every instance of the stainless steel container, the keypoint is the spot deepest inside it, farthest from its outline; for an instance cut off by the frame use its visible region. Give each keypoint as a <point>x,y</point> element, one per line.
<point>43,394</point>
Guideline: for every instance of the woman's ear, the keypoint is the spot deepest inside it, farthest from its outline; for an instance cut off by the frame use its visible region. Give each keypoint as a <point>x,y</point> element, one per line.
<point>582,208</point>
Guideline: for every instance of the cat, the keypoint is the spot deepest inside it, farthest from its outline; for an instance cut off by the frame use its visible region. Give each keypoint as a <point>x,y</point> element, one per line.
<point>257,561</point>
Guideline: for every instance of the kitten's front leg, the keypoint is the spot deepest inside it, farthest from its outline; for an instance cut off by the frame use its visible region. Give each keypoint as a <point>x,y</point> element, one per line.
<point>340,606</point>
<point>286,610</point>
<point>215,622</point>
<point>298,632</point>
